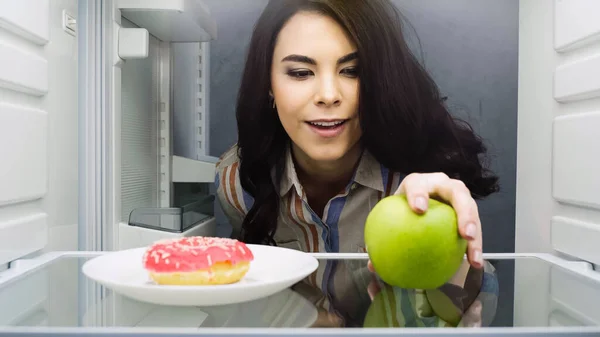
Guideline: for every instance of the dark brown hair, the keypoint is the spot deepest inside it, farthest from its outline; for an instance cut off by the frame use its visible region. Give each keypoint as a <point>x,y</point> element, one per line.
<point>404,121</point>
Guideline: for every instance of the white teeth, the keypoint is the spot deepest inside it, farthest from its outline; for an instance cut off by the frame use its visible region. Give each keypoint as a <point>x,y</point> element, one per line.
<point>326,123</point>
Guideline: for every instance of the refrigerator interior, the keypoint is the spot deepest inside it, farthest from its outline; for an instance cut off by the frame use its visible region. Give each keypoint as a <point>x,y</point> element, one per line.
<point>158,95</point>
<point>119,126</point>
<point>88,132</point>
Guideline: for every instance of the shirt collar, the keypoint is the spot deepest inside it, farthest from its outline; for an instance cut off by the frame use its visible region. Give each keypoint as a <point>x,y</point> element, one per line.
<point>368,173</point>
<point>289,178</point>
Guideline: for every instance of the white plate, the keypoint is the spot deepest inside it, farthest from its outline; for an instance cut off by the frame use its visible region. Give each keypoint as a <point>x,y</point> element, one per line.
<point>273,269</point>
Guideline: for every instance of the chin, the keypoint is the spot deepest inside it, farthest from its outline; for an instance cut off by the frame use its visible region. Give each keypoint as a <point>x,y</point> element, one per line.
<point>323,153</point>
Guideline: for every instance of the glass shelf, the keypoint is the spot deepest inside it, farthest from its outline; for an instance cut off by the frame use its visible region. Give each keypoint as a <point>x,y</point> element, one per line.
<point>536,297</point>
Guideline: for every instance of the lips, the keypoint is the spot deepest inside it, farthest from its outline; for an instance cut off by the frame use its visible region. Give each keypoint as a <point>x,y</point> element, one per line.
<point>327,128</point>
<point>327,123</point>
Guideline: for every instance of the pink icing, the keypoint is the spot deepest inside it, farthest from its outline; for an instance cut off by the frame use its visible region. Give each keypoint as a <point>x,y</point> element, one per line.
<point>194,253</point>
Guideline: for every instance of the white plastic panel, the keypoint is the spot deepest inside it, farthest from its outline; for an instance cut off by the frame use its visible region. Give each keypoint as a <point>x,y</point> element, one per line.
<point>583,12</point>
<point>531,293</point>
<point>172,20</point>
<point>558,152</point>
<point>152,5</point>
<point>133,43</point>
<point>534,204</point>
<point>22,235</point>
<point>576,237</point>
<point>574,298</point>
<point>187,170</point>
<point>136,237</point>
<point>139,131</point>
<point>576,80</point>
<point>24,72</point>
<point>575,150</point>
<point>38,127</point>
<point>23,153</point>
<point>576,159</point>
<point>558,319</point>
<point>27,298</point>
<point>26,18</point>
<point>191,96</point>
<point>187,102</point>
<point>165,129</point>
<point>202,118</point>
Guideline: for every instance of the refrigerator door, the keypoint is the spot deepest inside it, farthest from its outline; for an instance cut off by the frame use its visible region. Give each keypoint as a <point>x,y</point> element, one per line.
<point>558,163</point>
<point>66,151</point>
<point>38,127</point>
<point>558,205</point>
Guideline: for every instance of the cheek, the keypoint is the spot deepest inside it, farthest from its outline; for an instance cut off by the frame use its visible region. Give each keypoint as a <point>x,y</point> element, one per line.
<point>288,121</point>
<point>351,90</point>
<point>292,98</point>
<point>289,112</point>
<point>352,100</point>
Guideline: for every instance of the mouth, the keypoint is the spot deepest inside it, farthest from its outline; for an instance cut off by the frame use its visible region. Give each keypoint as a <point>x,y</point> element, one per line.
<point>327,124</point>
<point>328,128</point>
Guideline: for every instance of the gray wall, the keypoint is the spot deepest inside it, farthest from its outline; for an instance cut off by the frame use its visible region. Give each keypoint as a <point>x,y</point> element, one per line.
<point>471,49</point>
<point>469,46</point>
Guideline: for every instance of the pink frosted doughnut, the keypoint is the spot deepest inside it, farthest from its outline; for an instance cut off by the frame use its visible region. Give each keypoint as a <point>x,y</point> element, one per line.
<point>197,260</point>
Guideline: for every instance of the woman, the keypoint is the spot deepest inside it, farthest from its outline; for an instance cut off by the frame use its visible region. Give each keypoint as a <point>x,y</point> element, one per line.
<point>333,114</point>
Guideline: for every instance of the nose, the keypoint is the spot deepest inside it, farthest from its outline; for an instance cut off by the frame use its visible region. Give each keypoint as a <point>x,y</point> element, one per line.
<point>328,94</point>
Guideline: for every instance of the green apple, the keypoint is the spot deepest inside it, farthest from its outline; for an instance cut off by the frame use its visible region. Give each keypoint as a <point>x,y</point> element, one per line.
<point>411,250</point>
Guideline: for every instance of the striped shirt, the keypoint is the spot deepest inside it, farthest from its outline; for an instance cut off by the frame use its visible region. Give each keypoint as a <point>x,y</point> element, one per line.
<point>336,283</point>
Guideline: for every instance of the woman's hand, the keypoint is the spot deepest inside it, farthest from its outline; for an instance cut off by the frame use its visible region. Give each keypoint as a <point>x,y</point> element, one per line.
<point>472,317</point>
<point>419,187</point>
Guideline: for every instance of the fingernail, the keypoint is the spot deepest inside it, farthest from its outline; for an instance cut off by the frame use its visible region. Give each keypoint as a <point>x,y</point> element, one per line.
<point>477,257</point>
<point>421,203</point>
<point>471,229</point>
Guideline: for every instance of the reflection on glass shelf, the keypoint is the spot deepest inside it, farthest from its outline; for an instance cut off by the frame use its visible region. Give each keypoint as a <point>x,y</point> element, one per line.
<point>532,293</point>
<point>286,309</point>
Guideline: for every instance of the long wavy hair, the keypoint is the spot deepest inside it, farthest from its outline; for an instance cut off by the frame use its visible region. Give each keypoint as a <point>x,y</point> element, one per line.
<point>405,123</point>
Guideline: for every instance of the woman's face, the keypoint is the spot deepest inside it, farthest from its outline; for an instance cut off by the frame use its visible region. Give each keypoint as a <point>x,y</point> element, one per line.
<point>315,86</point>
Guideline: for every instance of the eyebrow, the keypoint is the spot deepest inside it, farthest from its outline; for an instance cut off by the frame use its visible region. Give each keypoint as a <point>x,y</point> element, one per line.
<point>305,59</point>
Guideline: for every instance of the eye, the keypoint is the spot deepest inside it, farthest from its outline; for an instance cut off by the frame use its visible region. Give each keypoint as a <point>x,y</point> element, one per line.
<point>299,73</point>
<point>350,72</point>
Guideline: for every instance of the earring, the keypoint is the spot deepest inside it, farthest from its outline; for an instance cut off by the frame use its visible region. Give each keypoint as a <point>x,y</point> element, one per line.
<point>273,104</point>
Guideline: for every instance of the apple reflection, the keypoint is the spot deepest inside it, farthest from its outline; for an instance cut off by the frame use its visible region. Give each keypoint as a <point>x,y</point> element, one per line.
<point>469,299</point>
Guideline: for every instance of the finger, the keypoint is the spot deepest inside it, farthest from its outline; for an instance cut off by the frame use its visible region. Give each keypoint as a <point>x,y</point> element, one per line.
<point>470,228</point>
<point>467,212</point>
<point>469,225</point>
<point>414,186</point>
<point>417,188</point>
<point>373,289</point>
<point>475,324</point>
<point>370,267</point>
<point>455,193</point>
<point>473,315</point>
<point>474,253</point>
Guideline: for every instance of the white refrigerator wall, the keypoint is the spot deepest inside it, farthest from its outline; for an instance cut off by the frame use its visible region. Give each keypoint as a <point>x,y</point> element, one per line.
<point>558,157</point>
<point>38,128</point>
<point>38,152</point>
<point>140,115</point>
